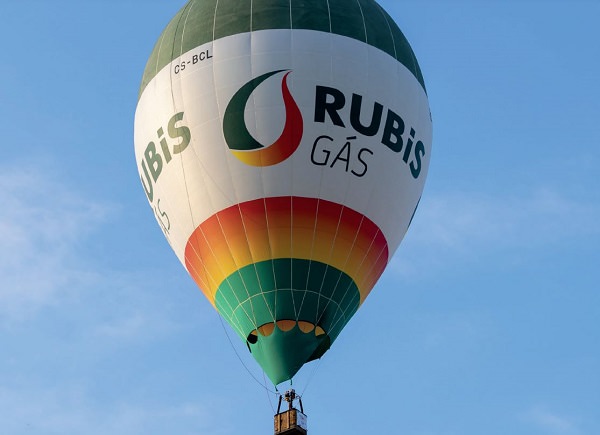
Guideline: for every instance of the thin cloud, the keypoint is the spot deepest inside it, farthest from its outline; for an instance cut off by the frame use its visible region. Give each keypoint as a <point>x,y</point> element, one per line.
<point>123,328</point>
<point>552,422</point>
<point>139,325</point>
<point>41,225</point>
<point>46,229</point>
<point>71,410</point>
<point>459,220</point>
<point>467,225</point>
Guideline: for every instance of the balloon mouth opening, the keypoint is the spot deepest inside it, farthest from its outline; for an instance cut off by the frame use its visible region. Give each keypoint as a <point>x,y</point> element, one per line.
<point>282,347</point>
<point>284,325</point>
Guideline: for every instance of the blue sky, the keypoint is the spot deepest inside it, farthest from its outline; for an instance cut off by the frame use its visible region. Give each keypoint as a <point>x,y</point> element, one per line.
<point>496,283</point>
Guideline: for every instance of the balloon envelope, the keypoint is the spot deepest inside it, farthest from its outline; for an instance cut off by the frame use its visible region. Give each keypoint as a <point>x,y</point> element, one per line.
<point>283,147</point>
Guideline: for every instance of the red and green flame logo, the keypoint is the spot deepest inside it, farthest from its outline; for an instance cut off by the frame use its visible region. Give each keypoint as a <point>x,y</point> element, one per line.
<point>240,141</point>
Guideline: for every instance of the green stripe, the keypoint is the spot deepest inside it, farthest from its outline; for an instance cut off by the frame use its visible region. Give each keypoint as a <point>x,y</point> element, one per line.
<point>202,21</point>
<point>287,289</point>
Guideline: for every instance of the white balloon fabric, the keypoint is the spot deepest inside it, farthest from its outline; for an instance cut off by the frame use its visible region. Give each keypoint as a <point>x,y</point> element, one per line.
<point>283,146</point>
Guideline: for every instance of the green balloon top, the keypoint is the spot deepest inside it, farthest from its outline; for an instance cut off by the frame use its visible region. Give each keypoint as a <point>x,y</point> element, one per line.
<point>202,21</point>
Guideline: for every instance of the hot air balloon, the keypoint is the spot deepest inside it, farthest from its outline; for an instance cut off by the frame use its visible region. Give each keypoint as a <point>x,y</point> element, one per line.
<point>283,146</point>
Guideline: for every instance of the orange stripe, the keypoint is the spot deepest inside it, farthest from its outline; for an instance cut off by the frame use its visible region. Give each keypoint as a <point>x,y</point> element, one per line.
<point>286,227</point>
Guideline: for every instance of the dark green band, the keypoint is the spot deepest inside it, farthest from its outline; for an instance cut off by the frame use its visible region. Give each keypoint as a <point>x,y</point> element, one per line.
<point>287,289</point>
<point>202,21</point>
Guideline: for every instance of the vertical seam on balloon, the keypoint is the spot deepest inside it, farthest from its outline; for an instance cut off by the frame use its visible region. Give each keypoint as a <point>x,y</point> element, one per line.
<point>207,285</point>
<point>185,183</point>
<point>220,266</point>
<point>312,251</point>
<point>219,112</point>
<point>387,22</point>
<point>339,313</point>
<point>184,26</point>
<point>172,55</point>
<point>361,285</point>
<point>212,282</point>
<point>291,172</point>
<point>252,99</point>
<point>371,270</point>
<point>261,171</point>
<point>167,199</point>
<point>312,247</point>
<point>205,173</point>
<point>372,279</point>
<point>269,242</point>
<point>367,275</point>
<point>363,20</point>
<point>367,207</point>
<point>367,49</point>
<point>329,15</point>
<point>216,286</point>
<point>262,292</point>
<point>264,201</point>
<point>215,20</point>
<point>343,317</point>
<point>318,293</point>
<point>327,264</point>
<point>331,251</point>
<point>236,199</point>
<point>216,303</point>
<point>296,313</point>
<point>309,262</point>
<point>237,267</point>
<point>230,319</point>
<point>334,290</point>
<point>251,24</point>
<point>320,186</point>
<point>346,192</point>
<point>160,45</point>
<point>343,268</point>
<point>373,264</point>
<point>215,213</point>
<point>358,284</point>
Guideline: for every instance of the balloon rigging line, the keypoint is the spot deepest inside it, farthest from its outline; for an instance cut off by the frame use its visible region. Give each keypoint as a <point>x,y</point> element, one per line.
<point>311,376</point>
<point>241,360</point>
<point>267,392</point>
<point>216,189</point>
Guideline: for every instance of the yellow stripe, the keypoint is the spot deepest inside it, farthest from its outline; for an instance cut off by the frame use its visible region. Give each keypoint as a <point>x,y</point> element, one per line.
<point>286,227</point>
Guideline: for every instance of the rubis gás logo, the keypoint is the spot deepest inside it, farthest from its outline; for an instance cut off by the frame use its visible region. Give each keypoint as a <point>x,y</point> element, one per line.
<point>240,141</point>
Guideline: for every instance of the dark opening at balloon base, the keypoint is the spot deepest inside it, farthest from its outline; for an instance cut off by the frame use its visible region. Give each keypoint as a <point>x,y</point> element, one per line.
<point>282,353</point>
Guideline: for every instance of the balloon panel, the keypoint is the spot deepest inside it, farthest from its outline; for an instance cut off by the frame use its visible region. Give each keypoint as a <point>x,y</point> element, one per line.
<point>284,165</point>
<point>204,21</point>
